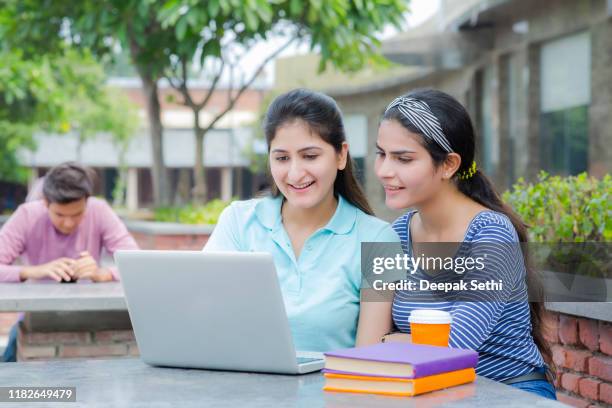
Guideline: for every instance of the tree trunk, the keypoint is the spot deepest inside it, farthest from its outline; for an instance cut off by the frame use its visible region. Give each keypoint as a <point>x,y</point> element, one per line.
<point>183,189</point>
<point>199,191</point>
<point>79,149</point>
<point>159,175</point>
<point>119,192</point>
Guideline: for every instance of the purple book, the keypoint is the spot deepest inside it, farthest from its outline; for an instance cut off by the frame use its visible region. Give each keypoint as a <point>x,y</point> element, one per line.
<point>399,360</point>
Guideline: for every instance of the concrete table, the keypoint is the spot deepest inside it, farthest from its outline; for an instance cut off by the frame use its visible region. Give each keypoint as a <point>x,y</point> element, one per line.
<point>53,296</point>
<point>65,320</point>
<point>131,383</point>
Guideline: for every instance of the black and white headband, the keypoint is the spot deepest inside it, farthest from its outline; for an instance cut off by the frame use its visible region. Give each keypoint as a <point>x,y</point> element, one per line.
<point>421,116</point>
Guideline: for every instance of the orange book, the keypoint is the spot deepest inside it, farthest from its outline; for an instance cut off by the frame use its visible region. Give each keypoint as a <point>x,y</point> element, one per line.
<point>401,387</point>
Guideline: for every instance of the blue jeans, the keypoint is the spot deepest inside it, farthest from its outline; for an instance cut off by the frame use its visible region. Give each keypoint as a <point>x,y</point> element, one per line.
<point>10,353</point>
<point>540,387</point>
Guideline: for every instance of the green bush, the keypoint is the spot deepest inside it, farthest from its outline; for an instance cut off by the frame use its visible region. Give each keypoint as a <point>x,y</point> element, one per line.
<point>190,214</point>
<point>564,209</point>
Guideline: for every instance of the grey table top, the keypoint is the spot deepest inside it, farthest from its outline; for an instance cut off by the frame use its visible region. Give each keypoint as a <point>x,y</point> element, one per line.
<point>131,383</point>
<point>53,296</point>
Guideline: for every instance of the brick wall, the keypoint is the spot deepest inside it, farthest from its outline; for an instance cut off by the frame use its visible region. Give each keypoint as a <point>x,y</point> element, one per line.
<point>582,352</point>
<point>182,242</point>
<point>7,320</point>
<point>32,346</point>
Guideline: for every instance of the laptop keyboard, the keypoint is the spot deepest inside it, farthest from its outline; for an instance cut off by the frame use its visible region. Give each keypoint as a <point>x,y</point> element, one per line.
<point>303,360</point>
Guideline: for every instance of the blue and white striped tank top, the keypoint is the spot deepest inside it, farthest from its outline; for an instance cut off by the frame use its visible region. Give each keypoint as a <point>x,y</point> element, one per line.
<point>499,330</point>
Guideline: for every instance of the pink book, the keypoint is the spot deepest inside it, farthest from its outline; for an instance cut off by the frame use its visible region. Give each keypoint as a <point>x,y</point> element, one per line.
<point>399,360</point>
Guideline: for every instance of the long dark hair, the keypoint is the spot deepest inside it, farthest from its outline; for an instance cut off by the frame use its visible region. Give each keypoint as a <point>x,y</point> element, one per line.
<point>459,131</point>
<point>323,117</point>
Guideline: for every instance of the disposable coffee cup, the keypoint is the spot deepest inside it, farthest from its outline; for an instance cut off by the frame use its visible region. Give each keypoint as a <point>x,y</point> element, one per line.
<point>431,327</point>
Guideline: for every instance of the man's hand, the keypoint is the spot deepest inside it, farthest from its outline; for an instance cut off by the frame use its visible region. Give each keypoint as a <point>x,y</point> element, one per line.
<point>87,268</point>
<point>59,269</point>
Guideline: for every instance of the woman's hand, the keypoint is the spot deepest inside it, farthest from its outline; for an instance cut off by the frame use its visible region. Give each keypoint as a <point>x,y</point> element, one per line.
<point>396,338</point>
<point>374,318</point>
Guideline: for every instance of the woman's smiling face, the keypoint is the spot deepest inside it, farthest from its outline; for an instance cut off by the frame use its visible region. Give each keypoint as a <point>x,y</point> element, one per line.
<point>404,167</point>
<point>303,165</point>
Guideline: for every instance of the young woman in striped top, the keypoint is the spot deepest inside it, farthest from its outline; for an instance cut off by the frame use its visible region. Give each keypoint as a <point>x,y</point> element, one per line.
<point>425,160</point>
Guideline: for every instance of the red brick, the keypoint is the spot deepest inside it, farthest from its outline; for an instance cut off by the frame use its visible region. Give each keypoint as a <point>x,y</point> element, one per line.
<point>605,393</point>
<point>113,336</point>
<point>187,242</point>
<point>56,338</point>
<point>558,355</point>
<point>557,380</point>
<point>144,241</point>
<point>588,332</point>
<point>573,401</point>
<point>93,350</point>
<point>550,327</point>
<point>8,317</point>
<point>589,388</point>
<point>568,330</point>
<point>7,320</point>
<point>605,338</point>
<point>577,360</point>
<point>172,241</point>
<point>601,367</point>
<point>569,382</point>
<point>29,360</point>
<point>133,350</point>
<point>26,352</point>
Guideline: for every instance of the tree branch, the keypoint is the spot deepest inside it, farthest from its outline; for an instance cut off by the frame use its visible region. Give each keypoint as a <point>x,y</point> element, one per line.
<point>244,87</point>
<point>170,78</point>
<point>230,83</point>
<point>183,86</point>
<point>213,85</point>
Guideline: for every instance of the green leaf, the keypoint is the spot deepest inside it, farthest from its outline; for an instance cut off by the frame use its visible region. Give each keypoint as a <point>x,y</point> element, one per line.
<point>296,7</point>
<point>213,8</point>
<point>226,7</point>
<point>251,21</point>
<point>211,48</point>
<point>264,11</point>
<point>181,29</point>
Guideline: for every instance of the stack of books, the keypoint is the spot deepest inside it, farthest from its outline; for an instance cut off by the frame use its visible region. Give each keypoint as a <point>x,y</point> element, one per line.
<point>398,369</point>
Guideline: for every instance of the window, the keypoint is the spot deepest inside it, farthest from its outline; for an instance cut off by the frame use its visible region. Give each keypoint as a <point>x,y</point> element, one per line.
<point>489,136</point>
<point>565,95</point>
<point>514,107</point>
<point>356,128</point>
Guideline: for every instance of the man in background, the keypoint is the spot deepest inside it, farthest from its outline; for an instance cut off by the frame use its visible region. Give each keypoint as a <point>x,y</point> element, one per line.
<point>61,236</point>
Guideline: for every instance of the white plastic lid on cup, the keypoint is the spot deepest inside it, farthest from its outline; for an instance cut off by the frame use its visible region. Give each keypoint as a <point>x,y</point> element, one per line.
<point>430,316</point>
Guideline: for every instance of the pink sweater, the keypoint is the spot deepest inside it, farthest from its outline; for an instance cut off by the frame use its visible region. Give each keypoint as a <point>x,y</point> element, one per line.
<point>29,233</point>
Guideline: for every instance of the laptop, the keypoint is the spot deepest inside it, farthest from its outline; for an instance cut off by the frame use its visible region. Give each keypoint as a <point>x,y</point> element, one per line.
<point>210,310</point>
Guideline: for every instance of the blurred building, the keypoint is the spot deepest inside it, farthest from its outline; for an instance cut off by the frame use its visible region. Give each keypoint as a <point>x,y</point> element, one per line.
<point>535,76</point>
<point>226,157</point>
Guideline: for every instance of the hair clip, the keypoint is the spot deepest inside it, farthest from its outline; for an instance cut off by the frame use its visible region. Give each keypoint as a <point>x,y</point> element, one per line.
<point>469,173</point>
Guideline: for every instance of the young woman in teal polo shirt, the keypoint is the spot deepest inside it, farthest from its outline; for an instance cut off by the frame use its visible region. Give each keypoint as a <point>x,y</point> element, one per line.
<point>313,224</point>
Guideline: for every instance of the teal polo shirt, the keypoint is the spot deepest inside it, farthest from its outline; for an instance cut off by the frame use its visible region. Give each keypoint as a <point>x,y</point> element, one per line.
<point>321,288</point>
